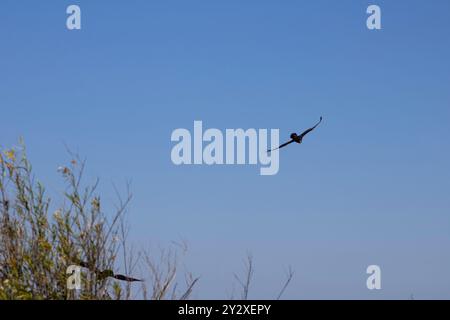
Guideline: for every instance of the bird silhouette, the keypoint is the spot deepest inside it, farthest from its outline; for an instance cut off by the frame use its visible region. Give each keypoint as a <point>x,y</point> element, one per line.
<point>109,273</point>
<point>297,137</point>
<point>103,274</point>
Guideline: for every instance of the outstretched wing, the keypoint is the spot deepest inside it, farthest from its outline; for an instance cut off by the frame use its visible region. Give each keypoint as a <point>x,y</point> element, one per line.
<point>108,273</point>
<point>304,133</point>
<point>281,146</point>
<point>84,264</point>
<point>125,278</point>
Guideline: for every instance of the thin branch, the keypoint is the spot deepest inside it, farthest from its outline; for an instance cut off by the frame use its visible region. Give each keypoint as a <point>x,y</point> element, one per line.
<point>290,275</point>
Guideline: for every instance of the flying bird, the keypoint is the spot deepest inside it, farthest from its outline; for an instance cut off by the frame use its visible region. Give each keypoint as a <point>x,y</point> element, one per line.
<point>103,274</point>
<point>297,137</point>
<point>109,273</point>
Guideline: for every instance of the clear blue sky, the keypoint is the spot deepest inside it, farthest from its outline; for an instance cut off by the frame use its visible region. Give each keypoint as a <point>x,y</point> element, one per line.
<point>370,186</point>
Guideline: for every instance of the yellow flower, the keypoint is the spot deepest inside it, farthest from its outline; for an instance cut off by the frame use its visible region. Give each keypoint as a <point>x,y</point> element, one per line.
<point>46,245</point>
<point>10,154</point>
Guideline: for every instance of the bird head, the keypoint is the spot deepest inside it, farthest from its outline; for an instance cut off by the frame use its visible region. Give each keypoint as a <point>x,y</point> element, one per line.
<point>294,136</point>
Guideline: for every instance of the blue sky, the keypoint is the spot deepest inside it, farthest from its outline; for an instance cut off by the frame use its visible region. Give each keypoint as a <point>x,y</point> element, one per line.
<point>370,186</point>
